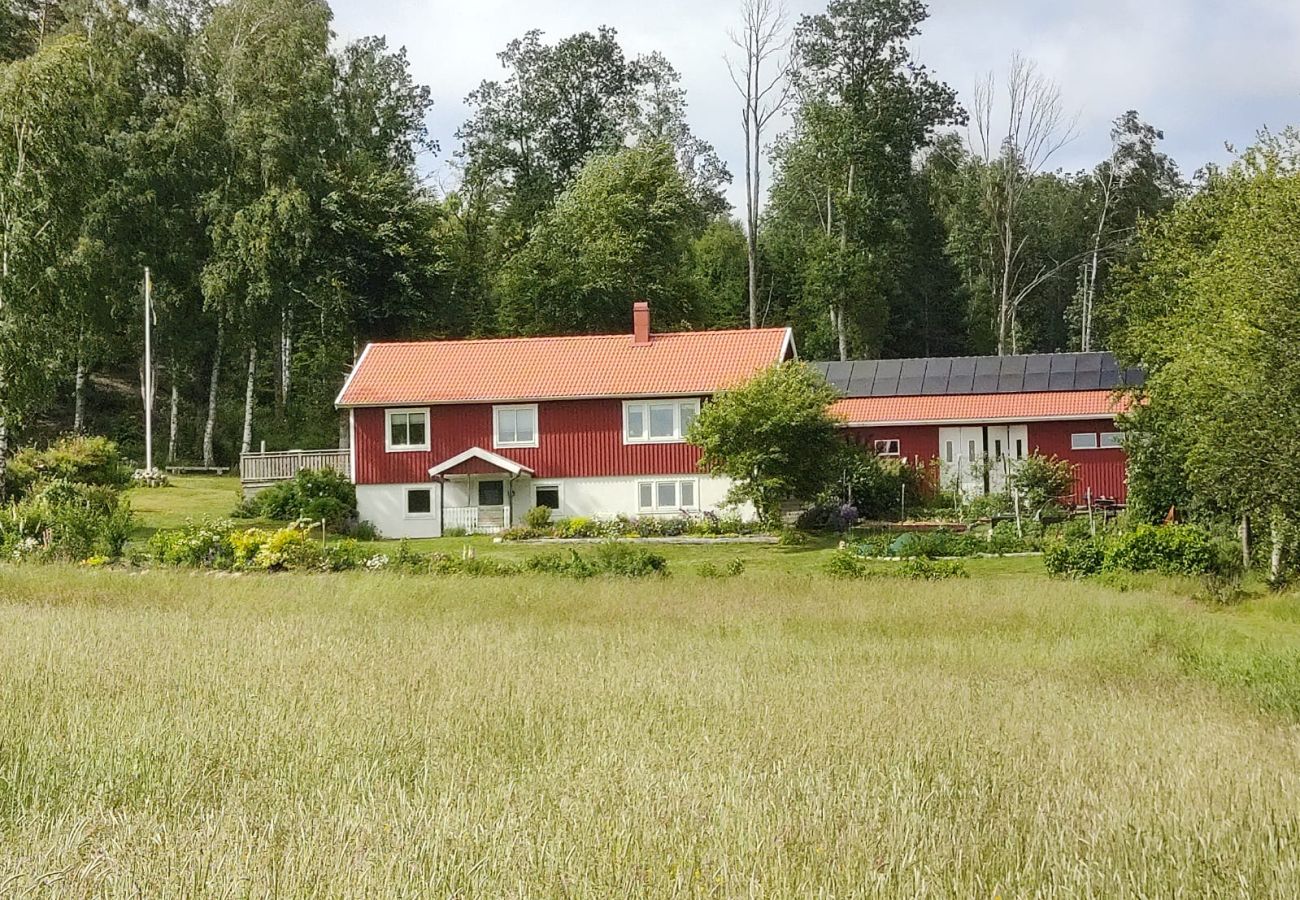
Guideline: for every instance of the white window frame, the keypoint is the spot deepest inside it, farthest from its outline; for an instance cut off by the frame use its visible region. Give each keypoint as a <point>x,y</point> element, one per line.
<point>406,502</point>
<point>677,483</point>
<point>556,486</point>
<point>1074,440</point>
<point>678,436</point>
<point>497,443</point>
<point>1116,440</point>
<point>887,442</point>
<point>389,446</point>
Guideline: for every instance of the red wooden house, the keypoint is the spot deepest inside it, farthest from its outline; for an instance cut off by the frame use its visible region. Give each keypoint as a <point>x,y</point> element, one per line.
<point>472,434</point>
<point>971,418</point>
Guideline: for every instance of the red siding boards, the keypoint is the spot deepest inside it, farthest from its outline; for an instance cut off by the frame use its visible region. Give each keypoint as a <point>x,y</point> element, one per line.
<point>576,438</point>
<point>1102,472</point>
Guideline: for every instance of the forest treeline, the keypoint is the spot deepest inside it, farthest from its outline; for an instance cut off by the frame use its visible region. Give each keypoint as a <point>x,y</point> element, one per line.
<point>274,181</point>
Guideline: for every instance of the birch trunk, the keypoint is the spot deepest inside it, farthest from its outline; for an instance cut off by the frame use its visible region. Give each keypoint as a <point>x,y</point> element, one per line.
<point>79,394</point>
<point>247,444</point>
<point>210,425</point>
<point>286,355</point>
<point>1279,547</point>
<point>1245,542</point>
<point>173,415</point>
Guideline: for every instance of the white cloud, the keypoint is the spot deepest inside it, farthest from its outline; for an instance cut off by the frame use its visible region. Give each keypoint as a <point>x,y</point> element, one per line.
<point>1205,72</point>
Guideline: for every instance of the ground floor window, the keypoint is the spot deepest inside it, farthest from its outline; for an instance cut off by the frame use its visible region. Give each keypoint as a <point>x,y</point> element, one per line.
<point>419,501</point>
<point>491,493</point>
<point>887,447</point>
<point>547,495</point>
<point>666,496</point>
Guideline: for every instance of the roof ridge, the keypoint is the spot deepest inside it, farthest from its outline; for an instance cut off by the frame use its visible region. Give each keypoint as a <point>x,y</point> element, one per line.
<point>576,337</point>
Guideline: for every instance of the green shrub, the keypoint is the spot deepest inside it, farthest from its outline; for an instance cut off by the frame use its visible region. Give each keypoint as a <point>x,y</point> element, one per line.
<point>313,494</point>
<point>1167,549</point>
<point>844,563</point>
<point>364,530</point>
<point>1042,481</point>
<point>468,564</point>
<point>204,544</point>
<point>1077,558</point>
<point>79,459</point>
<point>791,537</point>
<point>922,569</point>
<point>290,549</point>
<point>344,556</point>
<point>538,517</point>
<point>63,520</point>
<point>608,558</point>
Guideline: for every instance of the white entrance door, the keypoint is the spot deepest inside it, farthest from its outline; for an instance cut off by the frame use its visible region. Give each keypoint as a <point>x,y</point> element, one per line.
<point>1007,445</point>
<point>961,457</point>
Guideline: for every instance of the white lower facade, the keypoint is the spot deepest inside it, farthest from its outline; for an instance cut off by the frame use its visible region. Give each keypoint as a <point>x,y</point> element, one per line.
<point>487,503</point>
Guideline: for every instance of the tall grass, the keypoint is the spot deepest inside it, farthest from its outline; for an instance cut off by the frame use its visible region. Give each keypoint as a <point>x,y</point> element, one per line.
<point>171,734</point>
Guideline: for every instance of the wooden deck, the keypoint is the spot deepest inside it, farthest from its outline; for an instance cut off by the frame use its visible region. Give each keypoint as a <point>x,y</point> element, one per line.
<point>260,470</point>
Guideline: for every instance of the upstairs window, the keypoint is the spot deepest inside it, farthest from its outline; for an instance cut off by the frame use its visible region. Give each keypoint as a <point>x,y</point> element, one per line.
<point>658,421</point>
<point>887,447</point>
<point>408,429</point>
<point>1112,439</point>
<point>1084,441</point>
<point>514,426</point>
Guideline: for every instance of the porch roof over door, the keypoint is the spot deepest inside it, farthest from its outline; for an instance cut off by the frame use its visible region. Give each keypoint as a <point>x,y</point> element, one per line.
<point>477,461</point>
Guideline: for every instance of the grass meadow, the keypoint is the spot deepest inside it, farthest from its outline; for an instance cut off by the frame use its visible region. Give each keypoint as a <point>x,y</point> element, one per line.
<point>775,735</point>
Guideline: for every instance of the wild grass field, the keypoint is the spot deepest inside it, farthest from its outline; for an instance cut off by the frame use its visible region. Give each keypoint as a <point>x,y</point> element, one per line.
<point>776,735</point>
<point>779,733</point>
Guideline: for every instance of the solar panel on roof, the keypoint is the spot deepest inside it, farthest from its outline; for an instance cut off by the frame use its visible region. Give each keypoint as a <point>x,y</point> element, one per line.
<point>978,374</point>
<point>936,376</point>
<point>961,380</point>
<point>1087,380</point>
<point>886,381</point>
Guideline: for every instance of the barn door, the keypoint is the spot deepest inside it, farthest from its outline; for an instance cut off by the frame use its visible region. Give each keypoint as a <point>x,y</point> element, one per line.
<point>1008,444</point>
<point>961,459</point>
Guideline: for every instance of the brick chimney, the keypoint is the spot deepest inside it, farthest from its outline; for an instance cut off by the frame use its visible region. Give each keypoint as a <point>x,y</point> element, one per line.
<point>641,322</point>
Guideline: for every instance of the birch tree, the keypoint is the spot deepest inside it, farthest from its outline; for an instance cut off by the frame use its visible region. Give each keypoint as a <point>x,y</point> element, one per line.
<point>761,78</point>
<point>1015,140</point>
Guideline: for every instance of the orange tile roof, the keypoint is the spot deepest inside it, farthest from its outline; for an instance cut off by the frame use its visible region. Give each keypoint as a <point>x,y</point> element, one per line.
<point>554,368</point>
<point>978,407</point>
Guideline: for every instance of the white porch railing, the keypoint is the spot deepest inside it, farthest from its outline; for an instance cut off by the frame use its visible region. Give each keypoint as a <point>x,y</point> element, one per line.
<point>474,519</point>
<point>257,470</point>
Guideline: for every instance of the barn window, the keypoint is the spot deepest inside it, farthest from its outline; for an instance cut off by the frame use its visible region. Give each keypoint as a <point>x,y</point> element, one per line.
<point>1084,441</point>
<point>1112,439</point>
<point>887,447</point>
<point>407,429</point>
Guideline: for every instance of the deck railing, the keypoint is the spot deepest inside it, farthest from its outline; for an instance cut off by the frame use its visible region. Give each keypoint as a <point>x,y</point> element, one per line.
<point>474,519</point>
<point>257,470</point>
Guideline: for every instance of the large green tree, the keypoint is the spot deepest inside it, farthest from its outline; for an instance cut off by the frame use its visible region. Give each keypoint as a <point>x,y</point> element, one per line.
<point>622,232</point>
<point>842,185</point>
<point>1210,309</point>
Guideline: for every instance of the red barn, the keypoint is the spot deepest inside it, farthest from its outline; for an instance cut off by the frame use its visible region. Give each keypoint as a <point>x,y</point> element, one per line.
<point>472,434</point>
<point>972,417</point>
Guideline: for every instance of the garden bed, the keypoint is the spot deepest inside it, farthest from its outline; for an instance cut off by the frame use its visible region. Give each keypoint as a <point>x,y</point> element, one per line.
<point>637,539</point>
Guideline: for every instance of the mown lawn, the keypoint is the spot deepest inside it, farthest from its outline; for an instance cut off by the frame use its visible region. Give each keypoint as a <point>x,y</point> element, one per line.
<point>178,734</point>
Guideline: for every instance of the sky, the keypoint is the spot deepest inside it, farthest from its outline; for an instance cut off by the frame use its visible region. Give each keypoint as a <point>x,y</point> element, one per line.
<point>1209,73</point>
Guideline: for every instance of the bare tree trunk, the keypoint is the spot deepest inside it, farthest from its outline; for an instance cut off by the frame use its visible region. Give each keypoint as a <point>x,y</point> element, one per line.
<point>345,430</point>
<point>760,39</point>
<point>247,443</point>
<point>173,416</point>
<point>1275,558</point>
<point>79,393</point>
<point>286,355</point>
<point>1245,542</point>
<point>4,455</point>
<point>210,425</point>
<point>841,332</point>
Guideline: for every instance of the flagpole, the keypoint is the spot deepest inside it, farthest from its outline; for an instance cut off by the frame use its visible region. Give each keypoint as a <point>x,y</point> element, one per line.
<point>148,372</point>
